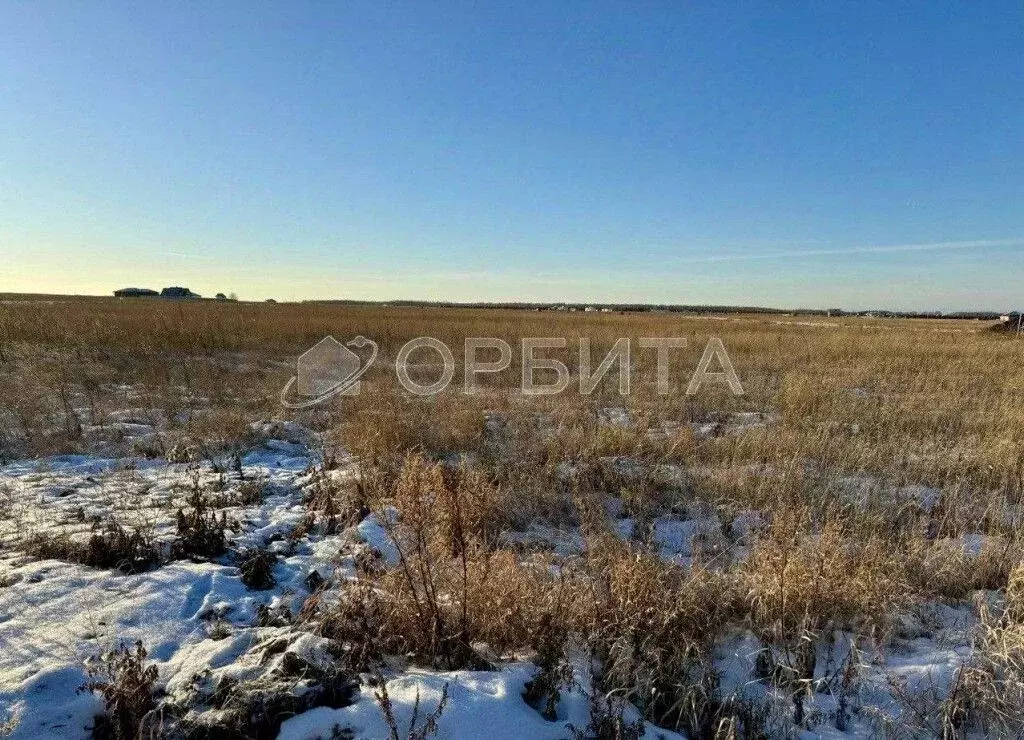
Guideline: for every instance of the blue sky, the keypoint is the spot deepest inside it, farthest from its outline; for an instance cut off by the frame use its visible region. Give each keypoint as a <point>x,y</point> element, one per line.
<point>806,154</point>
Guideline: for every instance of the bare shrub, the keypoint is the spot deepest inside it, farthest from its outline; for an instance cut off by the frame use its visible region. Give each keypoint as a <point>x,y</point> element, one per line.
<point>798,580</point>
<point>429,726</point>
<point>250,493</point>
<point>992,683</point>
<point>361,623</point>
<point>472,509</point>
<point>804,582</point>
<point>554,671</point>
<point>124,681</point>
<point>109,546</point>
<point>449,589</point>
<point>384,426</point>
<point>607,720</point>
<point>221,429</point>
<point>944,568</point>
<point>340,505</point>
<point>434,548</point>
<point>652,628</point>
<point>201,533</point>
<point>183,452</point>
<point>151,447</point>
<point>257,568</point>
<point>6,501</point>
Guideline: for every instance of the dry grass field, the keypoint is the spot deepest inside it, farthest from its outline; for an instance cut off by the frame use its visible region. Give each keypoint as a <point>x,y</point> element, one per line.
<point>837,552</point>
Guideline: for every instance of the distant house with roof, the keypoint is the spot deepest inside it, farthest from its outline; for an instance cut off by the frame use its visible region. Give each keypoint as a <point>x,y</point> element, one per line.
<point>178,292</point>
<point>1010,322</point>
<point>135,293</point>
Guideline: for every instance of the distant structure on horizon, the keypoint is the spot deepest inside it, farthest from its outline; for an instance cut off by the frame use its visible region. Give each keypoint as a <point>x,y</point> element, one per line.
<point>1011,322</point>
<point>177,292</point>
<point>171,292</point>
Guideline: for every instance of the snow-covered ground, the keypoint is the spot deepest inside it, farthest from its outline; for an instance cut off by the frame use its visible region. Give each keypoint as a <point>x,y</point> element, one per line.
<point>54,615</point>
<point>203,626</point>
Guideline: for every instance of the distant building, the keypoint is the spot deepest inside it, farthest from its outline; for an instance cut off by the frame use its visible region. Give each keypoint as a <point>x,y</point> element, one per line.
<point>1011,322</point>
<point>134,293</point>
<point>177,292</point>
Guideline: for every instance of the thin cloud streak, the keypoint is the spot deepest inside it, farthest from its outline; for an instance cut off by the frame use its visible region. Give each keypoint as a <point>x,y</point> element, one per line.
<point>874,249</point>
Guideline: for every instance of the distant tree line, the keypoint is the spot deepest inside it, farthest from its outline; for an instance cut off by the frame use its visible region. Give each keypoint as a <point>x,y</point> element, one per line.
<point>676,308</point>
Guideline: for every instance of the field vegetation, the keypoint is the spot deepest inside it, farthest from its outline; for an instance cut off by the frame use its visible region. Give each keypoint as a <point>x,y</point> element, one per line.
<point>721,566</point>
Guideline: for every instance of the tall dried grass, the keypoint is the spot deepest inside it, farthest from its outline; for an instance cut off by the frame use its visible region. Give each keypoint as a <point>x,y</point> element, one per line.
<point>855,417</point>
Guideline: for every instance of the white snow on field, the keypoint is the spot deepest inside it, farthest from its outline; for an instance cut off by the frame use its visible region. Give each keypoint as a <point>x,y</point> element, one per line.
<point>921,661</point>
<point>481,704</point>
<point>197,619</point>
<point>55,615</point>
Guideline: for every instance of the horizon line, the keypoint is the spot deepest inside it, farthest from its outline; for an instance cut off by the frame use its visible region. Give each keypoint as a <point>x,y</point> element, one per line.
<point>512,304</point>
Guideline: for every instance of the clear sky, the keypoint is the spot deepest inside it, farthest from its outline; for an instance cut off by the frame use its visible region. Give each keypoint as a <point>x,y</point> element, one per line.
<point>806,154</point>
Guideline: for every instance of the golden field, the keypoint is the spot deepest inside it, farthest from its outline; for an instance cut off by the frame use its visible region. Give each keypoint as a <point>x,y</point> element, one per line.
<point>833,498</point>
